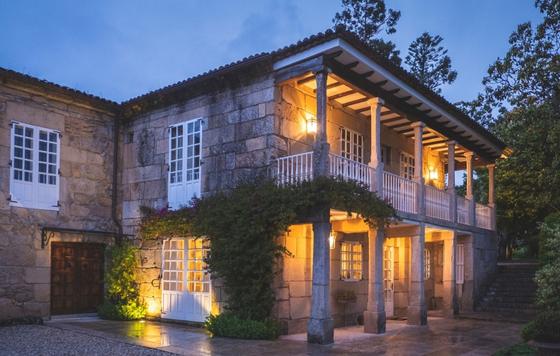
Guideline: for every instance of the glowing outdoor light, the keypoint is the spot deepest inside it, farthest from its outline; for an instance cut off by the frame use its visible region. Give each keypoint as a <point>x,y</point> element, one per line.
<point>332,240</point>
<point>311,123</point>
<point>433,174</point>
<point>152,306</point>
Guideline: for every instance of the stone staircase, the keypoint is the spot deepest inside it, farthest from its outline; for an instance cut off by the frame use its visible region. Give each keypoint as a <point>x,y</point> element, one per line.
<point>512,294</point>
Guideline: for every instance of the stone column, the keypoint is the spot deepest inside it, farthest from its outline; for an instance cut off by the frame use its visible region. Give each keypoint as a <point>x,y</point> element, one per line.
<point>491,194</point>
<point>374,316</point>
<point>320,328</point>
<point>469,193</point>
<point>417,312</point>
<point>321,147</point>
<point>450,304</point>
<point>451,180</point>
<point>375,143</point>
<point>418,127</point>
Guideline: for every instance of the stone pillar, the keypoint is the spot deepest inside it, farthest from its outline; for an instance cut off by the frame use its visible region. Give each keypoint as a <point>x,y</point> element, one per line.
<point>375,143</point>
<point>450,304</point>
<point>320,328</point>
<point>417,312</point>
<point>469,193</point>
<point>418,127</point>
<point>374,316</point>
<point>451,181</point>
<point>321,147</point>
<point>491,194</point>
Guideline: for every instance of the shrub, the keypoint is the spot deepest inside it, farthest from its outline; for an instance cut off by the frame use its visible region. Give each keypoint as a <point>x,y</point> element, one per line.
<point>228,325</point>
<point>545,327</point>
<point>122,296</point>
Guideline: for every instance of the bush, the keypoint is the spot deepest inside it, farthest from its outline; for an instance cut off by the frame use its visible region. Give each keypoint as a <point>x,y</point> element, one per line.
<point>228,325</point>
<point>122,296</point>
<point>517,350</point>
<point>545,327</point>
<point>130,310</point>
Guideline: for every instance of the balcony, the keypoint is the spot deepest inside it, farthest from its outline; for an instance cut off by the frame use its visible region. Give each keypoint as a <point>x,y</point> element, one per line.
<point>400,192</point>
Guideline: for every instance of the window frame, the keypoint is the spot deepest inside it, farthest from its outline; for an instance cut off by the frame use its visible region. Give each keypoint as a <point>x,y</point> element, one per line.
<point>407,165</point>
<point>35,185</point>
<point>350,261</point>
<point>194,172</point>
<point>355,144</point>
<point>386,155</point>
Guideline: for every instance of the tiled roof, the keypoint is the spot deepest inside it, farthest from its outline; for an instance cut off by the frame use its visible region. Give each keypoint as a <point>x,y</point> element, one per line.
<point>7,75</point>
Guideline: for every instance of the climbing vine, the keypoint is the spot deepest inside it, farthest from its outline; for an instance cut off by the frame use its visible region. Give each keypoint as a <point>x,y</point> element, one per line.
<point>243,224</point>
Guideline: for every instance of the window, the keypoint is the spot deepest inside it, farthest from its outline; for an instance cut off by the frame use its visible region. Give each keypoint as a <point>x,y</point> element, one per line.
<point>407,165</point>
<point>386,155</point>
<point>351,145</point>
<point>35,156</point>
<point>185,140</point>
<point>427,264</point>
<point>351,261</point>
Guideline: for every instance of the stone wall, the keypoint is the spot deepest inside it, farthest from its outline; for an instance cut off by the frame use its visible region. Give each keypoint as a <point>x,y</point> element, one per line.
<point>85,196</point>
<point>239,139</point>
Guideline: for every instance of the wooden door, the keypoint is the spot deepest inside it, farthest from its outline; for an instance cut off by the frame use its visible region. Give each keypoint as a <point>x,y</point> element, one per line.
<point>76,277</point>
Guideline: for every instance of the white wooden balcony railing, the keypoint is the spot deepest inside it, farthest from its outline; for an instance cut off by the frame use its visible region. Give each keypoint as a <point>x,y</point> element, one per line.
<point>400,192</point>
<point>483,216</point>
<point>463,211</point>
<point>348,169</point>
<point>438,203</point>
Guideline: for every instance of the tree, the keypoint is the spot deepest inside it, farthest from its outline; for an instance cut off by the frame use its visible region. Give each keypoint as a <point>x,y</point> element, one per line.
<point>521,105</point>
<point>367,19</point>
<point>428,61</point>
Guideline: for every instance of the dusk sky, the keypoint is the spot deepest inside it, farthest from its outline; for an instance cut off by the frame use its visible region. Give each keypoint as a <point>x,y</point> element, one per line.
<point>121,49</point>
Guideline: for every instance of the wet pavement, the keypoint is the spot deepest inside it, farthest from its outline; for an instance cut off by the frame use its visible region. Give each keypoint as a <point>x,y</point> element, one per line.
<point>441,337</point>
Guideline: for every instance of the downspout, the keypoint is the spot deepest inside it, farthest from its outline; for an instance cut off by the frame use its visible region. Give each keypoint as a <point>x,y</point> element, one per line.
<point>116,129</point>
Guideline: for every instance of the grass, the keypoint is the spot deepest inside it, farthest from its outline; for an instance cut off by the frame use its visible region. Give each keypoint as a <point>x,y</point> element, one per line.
<point>521,349</point>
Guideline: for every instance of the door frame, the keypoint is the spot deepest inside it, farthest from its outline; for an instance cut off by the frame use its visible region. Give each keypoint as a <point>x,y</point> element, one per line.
<point>182,315</point>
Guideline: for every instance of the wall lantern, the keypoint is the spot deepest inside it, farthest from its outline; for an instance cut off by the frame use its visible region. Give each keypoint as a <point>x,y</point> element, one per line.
<point>332,239</point>
<point>310,123</point>
<point>432,174</point>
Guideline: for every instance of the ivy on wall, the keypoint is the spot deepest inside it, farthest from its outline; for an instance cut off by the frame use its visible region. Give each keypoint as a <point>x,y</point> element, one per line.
<point>243,225</point>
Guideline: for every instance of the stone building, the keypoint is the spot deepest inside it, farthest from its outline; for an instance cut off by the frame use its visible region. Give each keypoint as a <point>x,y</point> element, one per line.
<point>324,106</point>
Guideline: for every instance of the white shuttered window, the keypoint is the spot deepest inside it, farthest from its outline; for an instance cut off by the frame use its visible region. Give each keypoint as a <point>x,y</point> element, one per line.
<point>185,143</point>
<point>34,167</point>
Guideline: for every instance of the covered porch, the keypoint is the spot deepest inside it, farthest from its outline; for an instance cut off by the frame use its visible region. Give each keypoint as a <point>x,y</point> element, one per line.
<point>361,276</point>
<point>343,115</point>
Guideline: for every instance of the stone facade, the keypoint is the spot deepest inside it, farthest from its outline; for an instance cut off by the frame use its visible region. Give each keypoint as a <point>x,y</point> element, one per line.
<point>246,123</point>
<point>86,165</point>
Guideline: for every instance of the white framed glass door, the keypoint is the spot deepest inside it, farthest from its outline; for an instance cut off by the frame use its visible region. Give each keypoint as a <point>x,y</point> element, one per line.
<point>389,279</point>
<point>186,289</point>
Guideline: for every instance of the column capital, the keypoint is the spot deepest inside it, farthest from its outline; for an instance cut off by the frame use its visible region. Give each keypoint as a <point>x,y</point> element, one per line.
<point>491,165</point>
<point>375,101</point>
<point>323,70</point>
<point>468,154</point>
<point>418,124</point>
<point>451,142</point>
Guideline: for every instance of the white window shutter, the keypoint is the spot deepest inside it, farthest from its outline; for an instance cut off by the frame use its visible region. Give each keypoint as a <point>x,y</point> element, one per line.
<point>460,264</point>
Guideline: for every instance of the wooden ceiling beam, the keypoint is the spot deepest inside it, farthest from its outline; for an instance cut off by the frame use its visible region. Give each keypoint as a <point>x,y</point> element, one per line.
<point>343,94</point>
<point>354,102</point>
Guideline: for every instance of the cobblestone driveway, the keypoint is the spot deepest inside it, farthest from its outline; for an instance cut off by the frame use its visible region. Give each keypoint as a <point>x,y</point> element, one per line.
<point>93,336</point>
